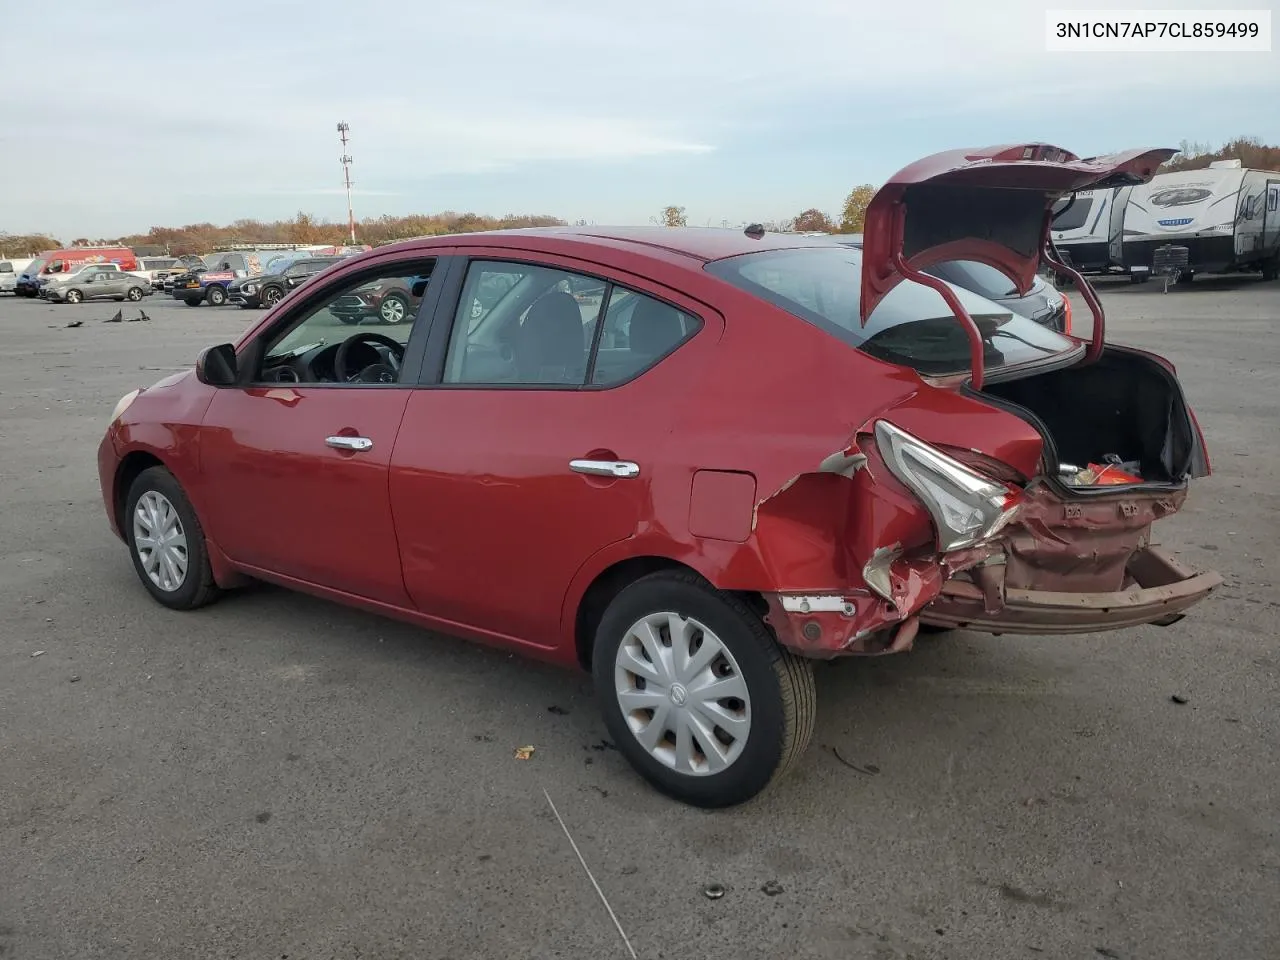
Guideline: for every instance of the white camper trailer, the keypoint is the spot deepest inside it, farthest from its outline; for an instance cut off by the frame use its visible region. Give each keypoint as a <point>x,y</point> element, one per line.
<point>1088,231</point>
<point>1223,219</point>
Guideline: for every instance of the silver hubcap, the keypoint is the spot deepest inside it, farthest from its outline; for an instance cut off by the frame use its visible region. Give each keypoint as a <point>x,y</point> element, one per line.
<point>160,540</point>
<point>682,694</point>
<point>392,310</point>
<point>271,296</point>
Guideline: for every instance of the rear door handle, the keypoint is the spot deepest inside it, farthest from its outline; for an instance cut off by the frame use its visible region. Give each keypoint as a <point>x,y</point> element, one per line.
<point>623,469</point>
<point>349,443</point>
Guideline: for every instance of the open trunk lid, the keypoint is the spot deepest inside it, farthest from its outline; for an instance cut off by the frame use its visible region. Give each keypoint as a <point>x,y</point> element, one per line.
<point>993,205</point>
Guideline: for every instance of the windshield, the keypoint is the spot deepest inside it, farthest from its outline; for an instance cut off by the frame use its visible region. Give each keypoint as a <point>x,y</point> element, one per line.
<point>912,326</point>
<point>34,267</point>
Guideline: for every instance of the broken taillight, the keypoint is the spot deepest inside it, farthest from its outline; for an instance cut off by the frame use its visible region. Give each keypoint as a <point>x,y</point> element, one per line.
<point>967,507</point>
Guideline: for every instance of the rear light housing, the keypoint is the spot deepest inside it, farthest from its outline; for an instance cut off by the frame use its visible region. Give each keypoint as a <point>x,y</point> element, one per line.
<point>967,507</point>
<point>1066,314</point>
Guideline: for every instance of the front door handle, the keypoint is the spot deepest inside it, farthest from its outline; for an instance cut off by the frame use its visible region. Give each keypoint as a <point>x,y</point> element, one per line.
<point>349,443</point>
<point>622,469</point>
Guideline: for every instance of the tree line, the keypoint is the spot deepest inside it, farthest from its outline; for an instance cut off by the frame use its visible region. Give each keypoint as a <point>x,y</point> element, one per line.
<point>306,228</point>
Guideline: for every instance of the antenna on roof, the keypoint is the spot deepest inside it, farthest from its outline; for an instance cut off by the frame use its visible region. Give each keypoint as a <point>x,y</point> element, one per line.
<point>755,231</point>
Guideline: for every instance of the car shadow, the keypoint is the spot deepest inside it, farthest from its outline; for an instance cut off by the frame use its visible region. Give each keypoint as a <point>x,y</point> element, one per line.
<point>953,691</point>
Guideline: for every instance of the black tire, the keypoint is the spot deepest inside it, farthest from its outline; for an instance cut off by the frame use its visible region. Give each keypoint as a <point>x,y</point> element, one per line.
<point>198,587</point>
<point>1186,278</point>
<point>134,294</point>
<point>216,295</point>
<point>388,312</point>
<point>270,296</point>
<point>192,301</point>
<point>780,686</point>
<point>74,296</point>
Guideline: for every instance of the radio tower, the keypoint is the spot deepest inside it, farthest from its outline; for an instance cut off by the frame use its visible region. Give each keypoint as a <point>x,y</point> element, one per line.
<point>343,129</point>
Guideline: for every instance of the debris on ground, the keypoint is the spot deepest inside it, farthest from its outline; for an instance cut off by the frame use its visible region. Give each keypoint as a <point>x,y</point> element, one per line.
<point>558,711</point>
<point>1177,698</point>
<point>524,753</point>
<point>713,891</point>
<point>771,888</point>
<point>118,318</point>
<point>38,653</point>
<point>75,323</point>
<point>74,680</point>
<point>142,316</point>
<point>870,769</point>
<point>1104,951</point>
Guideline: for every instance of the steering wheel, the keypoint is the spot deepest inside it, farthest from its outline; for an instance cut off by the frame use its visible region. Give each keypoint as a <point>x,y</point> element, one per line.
<point>374,372</point>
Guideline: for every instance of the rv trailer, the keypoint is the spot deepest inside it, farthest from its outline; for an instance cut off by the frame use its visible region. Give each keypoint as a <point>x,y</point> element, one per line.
<point>1222,219</point>
<point>1088,230</point>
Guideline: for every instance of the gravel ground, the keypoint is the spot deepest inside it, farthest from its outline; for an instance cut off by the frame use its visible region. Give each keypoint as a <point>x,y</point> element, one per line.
<point>279,777</point>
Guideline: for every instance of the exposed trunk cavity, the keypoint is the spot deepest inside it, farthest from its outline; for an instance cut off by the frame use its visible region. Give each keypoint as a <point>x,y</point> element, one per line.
<point>1127,410</point>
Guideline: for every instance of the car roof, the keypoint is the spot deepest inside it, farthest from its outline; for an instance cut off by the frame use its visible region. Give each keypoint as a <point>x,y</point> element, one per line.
<point>697,243</point>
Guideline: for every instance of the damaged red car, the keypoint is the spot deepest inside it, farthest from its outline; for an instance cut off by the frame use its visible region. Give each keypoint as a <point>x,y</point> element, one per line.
<point>734,454</point>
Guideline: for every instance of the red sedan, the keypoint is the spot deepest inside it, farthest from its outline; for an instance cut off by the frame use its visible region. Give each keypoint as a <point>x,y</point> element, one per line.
<point>741,453</point>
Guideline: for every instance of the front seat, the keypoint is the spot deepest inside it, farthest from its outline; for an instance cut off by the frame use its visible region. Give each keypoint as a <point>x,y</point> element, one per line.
<point>550,345</point>
<point>655,328</point>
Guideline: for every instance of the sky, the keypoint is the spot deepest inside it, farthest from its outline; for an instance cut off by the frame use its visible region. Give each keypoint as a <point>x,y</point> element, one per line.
<point>132,114</point>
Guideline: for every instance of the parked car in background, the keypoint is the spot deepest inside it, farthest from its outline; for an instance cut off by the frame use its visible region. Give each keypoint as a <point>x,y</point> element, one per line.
<point>387,300</point>
<point>796,450</point>
<point>61,280</point>
<point>1043,303</point>
<point>69,259</point>
<point>96,283</point>
<point>211,283</point>
<point>10,270</point>
<point>155,269</point>
<point>284,275</point>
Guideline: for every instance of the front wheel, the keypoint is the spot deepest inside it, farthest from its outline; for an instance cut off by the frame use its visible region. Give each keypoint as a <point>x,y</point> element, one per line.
<point>216,296</point>
<point>271,296</point>
<point>135,294</point>
<point>696,692</point>
<point>167,542</point>
<point>74,296</point>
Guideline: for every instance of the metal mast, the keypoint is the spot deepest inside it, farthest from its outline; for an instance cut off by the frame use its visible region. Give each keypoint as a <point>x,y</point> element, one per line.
<point>343,129</point>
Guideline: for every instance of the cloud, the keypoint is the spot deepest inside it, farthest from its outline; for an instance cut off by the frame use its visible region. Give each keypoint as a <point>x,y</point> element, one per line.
<point>599,108</point>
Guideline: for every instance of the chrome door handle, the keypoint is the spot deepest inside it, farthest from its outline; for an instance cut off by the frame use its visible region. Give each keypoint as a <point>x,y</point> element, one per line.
<point>349,443</point>
<point>623,469</point>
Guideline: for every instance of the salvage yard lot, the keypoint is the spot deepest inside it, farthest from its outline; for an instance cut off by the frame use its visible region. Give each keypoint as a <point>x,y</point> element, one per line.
<point>277,776</point>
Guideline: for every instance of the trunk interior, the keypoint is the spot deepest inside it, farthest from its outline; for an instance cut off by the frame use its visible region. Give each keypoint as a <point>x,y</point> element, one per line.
<point>1126,410</point>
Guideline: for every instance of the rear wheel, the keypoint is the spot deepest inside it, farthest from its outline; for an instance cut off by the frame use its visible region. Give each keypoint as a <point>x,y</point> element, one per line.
<point>696,692</point>
<point>393,309</point>
<point>216,296</point>
<point>167,542</point>
<point>74,296</point>
<point>135,294</point>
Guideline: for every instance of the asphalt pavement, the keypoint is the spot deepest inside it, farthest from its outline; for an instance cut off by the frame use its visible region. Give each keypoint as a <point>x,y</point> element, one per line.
<point>279,777</point>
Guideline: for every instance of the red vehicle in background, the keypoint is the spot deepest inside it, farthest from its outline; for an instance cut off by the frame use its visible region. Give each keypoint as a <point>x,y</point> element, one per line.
<point>746,453</point>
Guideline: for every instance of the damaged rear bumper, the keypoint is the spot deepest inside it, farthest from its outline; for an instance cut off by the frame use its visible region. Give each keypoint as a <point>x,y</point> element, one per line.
<point>1159,591</point>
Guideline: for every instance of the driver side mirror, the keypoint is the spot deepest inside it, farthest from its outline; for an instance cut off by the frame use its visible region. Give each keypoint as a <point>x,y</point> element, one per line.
<point>216,366</point>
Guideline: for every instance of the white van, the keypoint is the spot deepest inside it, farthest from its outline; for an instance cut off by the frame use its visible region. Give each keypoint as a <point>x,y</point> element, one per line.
<point>10,271</point>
